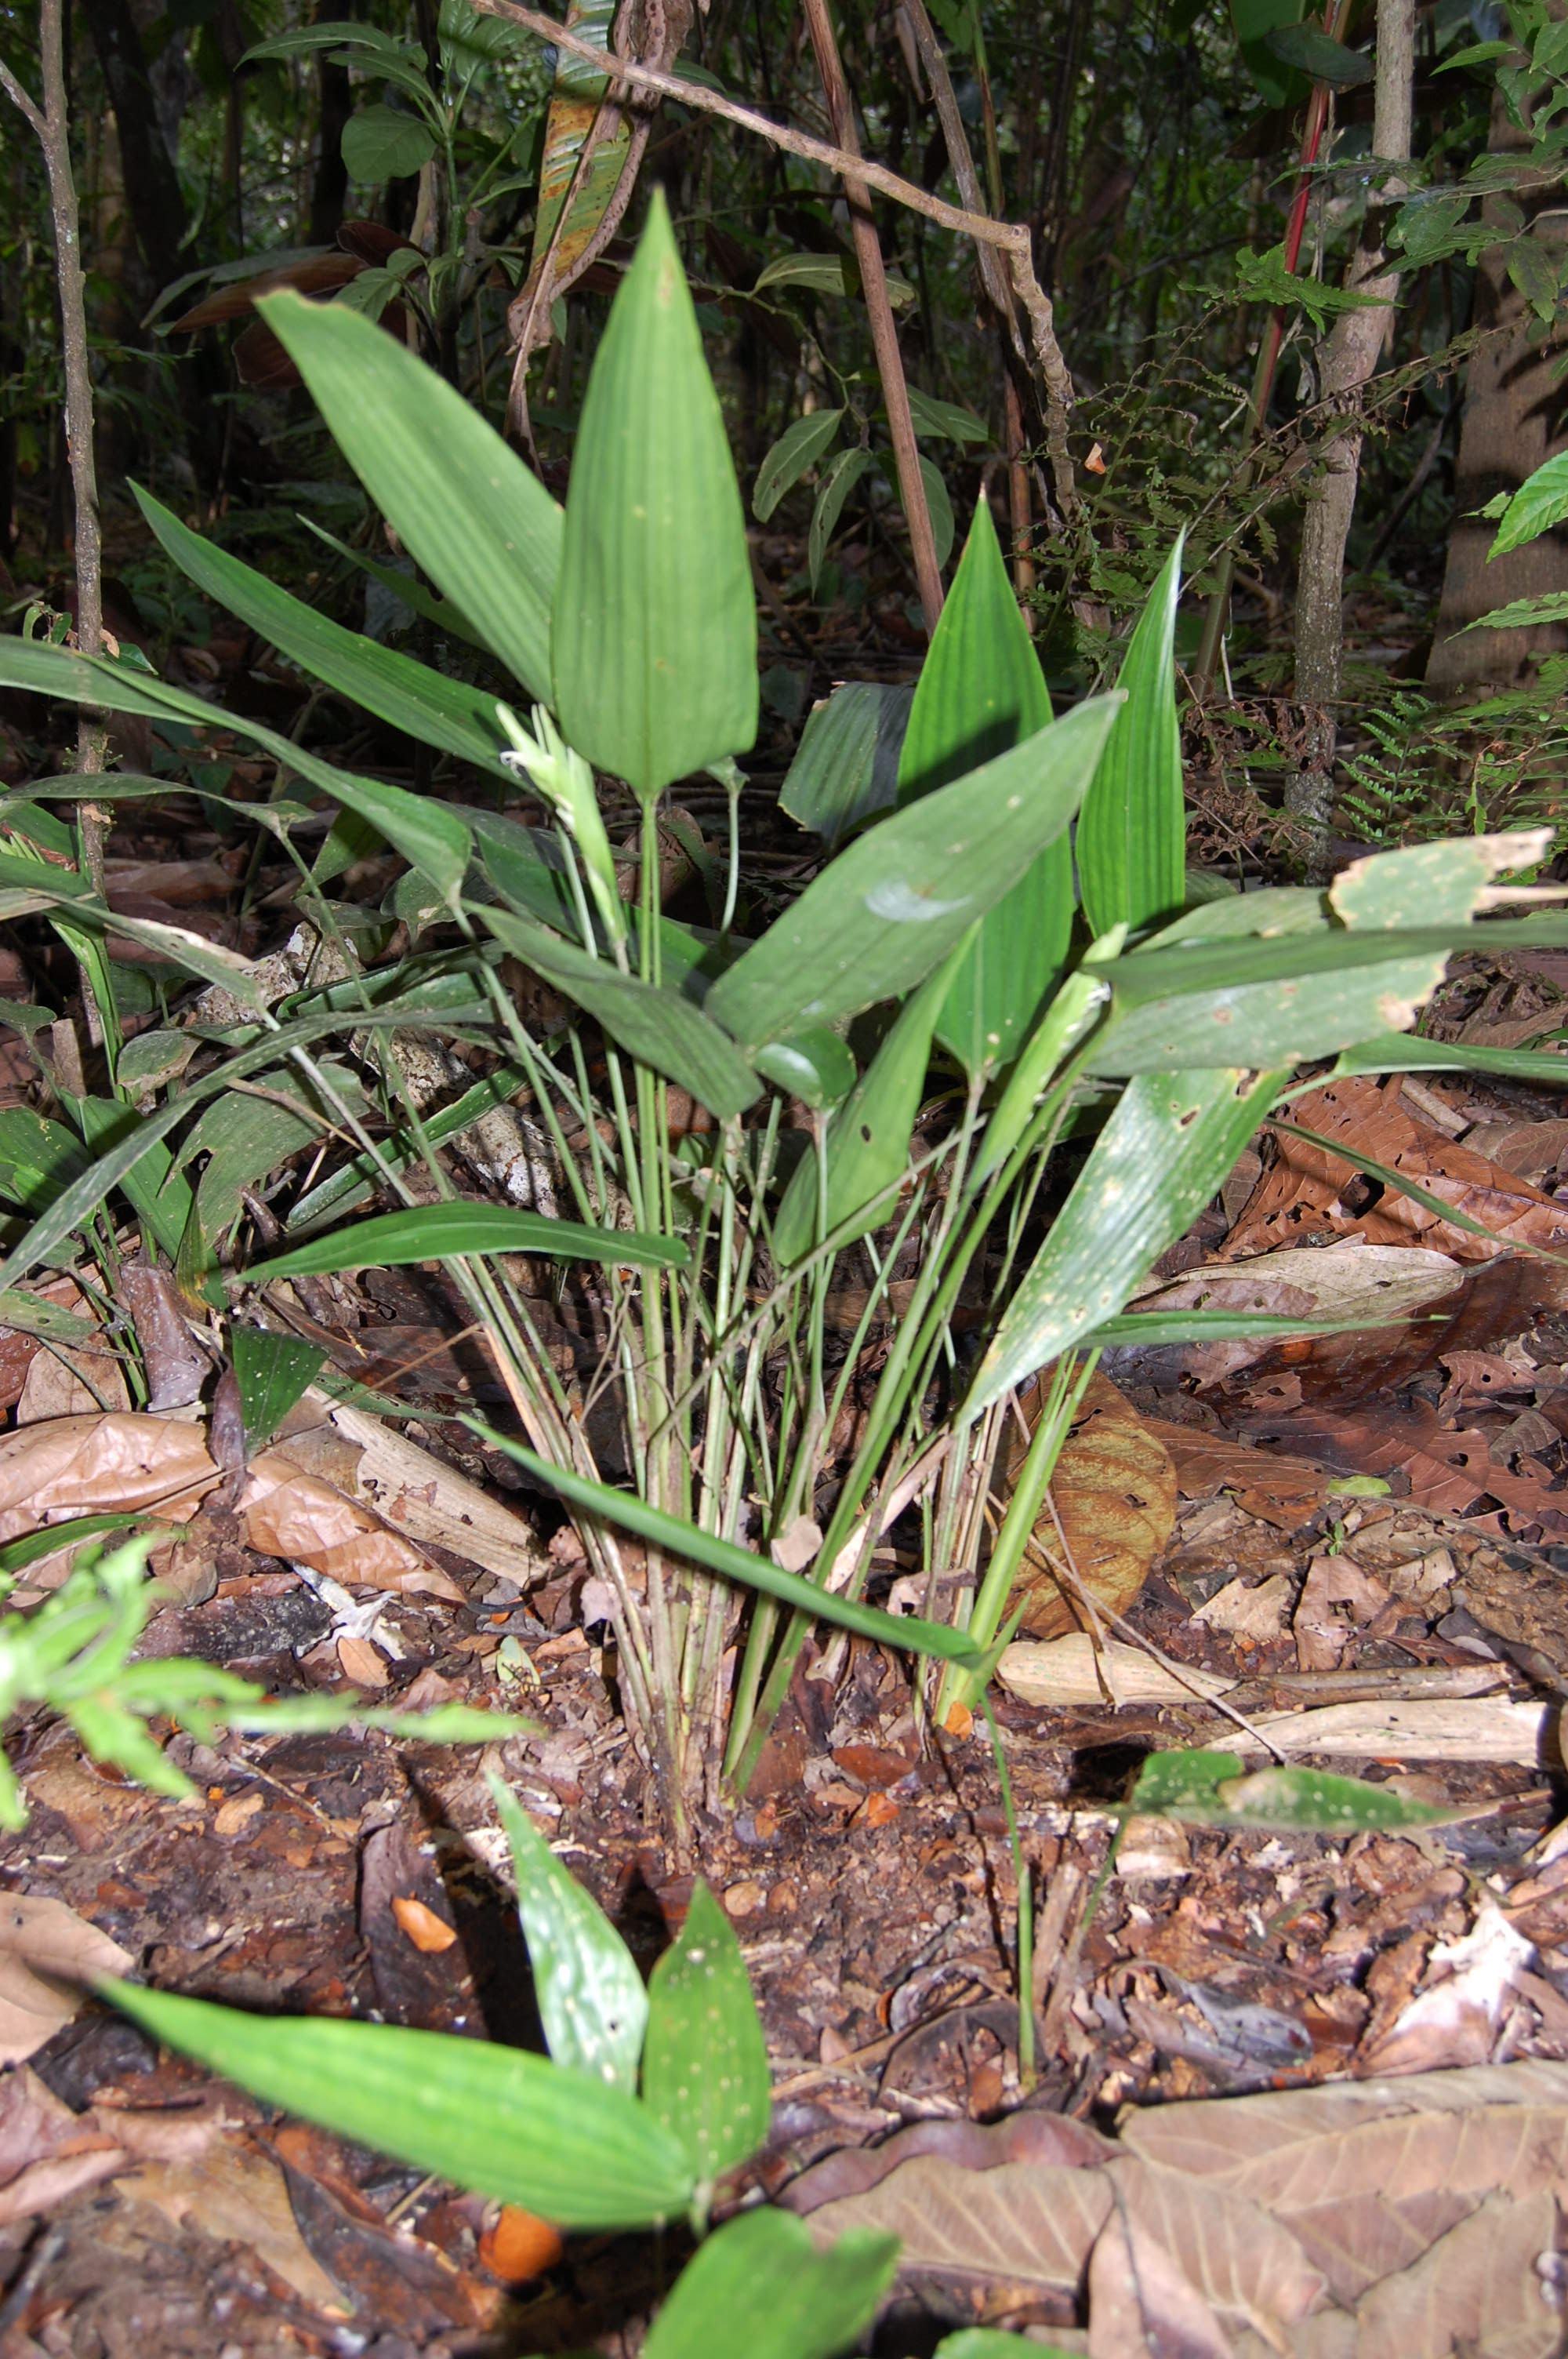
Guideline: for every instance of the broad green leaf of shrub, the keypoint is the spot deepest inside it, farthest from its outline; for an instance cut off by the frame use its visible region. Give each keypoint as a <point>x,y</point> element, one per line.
<point>798,448</point>
<point>592,2000</point>
<point>411,696</point>
<point>1131,840</point>
<point>981,692</point>
<point>1218,1790</point>
<point>436,1232</point>
<point>272,1371</point>
<point>465,507</point>
<point>654,1024</point>
<point>760,2285</point>
<point>705,2060</point>
<point>1168,1145</point>
<point>868,1138</point>
<point>503,2123</point>
<point>896,901</point>
<point>655,642</point>
<point>379,142</point>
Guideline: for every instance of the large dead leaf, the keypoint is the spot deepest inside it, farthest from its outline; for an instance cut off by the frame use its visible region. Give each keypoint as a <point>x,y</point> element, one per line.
<point>1080,1669</point>
<point>91,1465</point>
<point>980,2244</point>
<point>1286,1491</point>
<point>1480,2289</point>
<point>1248,2267</point>
<point>1115,1493</point>
<point>1306,1192</point>
<point>1449,1469</point>
<point>1140,2301</point>
<point>1373,1285</point>
<point>304,1520</point>
<point>1367,2175</point>
<point>432,1502</point>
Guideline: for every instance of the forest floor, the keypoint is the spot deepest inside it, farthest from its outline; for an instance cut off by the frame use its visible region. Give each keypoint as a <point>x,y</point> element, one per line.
<point>1359,1541</point>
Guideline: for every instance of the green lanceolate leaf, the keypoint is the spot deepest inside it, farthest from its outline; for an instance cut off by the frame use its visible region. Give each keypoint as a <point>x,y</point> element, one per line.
<point>272,1371</point>
<point>893,904</point>
<point>705,2061</point>
<point>433,838</point>
<point>1216,1789</point>
<point>867,1140</point>
<point>943,531</point>
<point>846,766</point>
<point>654,1025</point>
<point>839,477</point>
<point>1539,504</point>
<point>424,703</point>
<point>506,2125</point>
<point>798,448</point>
<point>981,692</point>
<point>37,1158</point>
<point>467,509</point>
<point>1132,828</point>
<point>796,2302</point>
<point>592,2000</point>
<point>1168,1145</point>
<point>655,644</point>
<point>734,1563</point>
<point>1398,1052</point>
<point>439,1231</point>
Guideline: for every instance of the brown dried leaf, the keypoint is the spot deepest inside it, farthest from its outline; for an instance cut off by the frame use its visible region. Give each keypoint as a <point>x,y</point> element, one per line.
<point>1449,1469</point>
<point>1285,1492</point>
<point>980,2244</point>
<point>1115,1493</point>
<point>1028,2136</point>
<point>1082,1669</point>
<point>1374,1284</point>
<point>90,1465</point>
<point>1248,2268</point>
<point>1337,1599</point>
<point>304,1520</point>
<point>1367,2175</point>
<point>72,1384</point>
<point>1142,2306</point>
<point>1303,1194</point>
<point>1480,2289</point>
<point>421,1495</point>
<point>239,2195</point>
<point>46,1950</point>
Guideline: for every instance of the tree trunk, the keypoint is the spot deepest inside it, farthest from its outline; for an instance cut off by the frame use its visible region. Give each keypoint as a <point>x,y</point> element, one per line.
<point>1510,426</point>
<point>1347,358</point>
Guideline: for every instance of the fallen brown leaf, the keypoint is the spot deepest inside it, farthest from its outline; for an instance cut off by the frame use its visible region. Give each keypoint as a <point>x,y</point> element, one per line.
<point>46,1952</point>
<point>302,1519</point>
<point>1115,1493</point>
<point>90,1465</point>
<point>237,2195</point>
<point>1338,1599</point>
<point>1286,1491</point>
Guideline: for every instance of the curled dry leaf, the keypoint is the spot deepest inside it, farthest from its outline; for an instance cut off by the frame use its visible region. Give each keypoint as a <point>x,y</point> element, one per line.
<point>1338,1599</point>
<point>91,1465</point>
<point>1077,1671</point>
<point>305,1520</point>
<point>1115,1493</point>
<point>1372,1285</point>
<point>46,1951</point>
<point>426,1498</point>
<point>1258,1612</point>
<point>1455,2020</point>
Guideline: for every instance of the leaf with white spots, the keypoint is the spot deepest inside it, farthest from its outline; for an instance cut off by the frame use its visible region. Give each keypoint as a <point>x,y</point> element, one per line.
<point>1161,1157</point>
<point>592,2000</point>
<point>705,2063</point>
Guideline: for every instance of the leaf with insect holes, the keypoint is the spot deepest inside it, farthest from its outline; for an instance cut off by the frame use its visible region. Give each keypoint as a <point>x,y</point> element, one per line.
<point>592,2000</point>
<point>760,2283</point>
<point>705,2061</point>
<point>272,1372</point>
<point>1216,1789</point>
